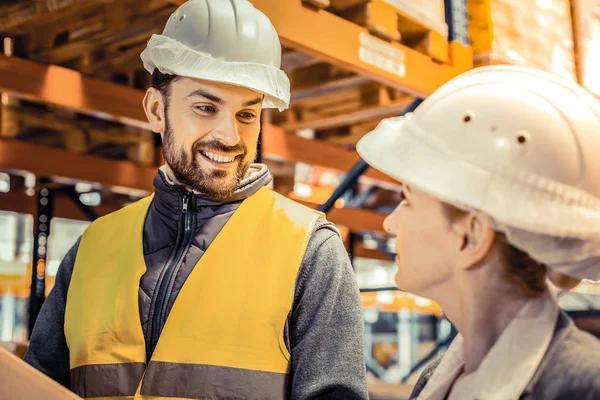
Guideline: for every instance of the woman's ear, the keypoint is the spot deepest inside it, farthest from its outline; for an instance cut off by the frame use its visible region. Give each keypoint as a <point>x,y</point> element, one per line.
<point>154,107</point>
<point>478,236</point>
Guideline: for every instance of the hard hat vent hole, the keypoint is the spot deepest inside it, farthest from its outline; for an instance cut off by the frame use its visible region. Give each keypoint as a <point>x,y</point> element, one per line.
<point>468,117</point>
<point>522,137</point>
<point>181,17</point>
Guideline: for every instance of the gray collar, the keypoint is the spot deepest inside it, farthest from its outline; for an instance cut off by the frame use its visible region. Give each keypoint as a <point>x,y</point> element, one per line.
<point>168,196</point>
<point>258,175</point>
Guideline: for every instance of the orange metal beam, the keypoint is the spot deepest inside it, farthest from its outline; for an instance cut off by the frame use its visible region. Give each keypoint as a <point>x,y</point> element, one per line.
<point>350,46</point>
<point>19,202</point>
<point>294,148</point>
<point>46,161</point>
<point>354,218</point>
<point>361,252</point>
<point>67,88</point>
<point>362,115</point>
<point>49,162</point>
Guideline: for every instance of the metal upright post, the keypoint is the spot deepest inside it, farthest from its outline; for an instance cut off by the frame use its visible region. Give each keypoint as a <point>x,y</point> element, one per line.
<point>457,19</point>
<point>45,208</point>
<point>355,173</point>
<point>74,196</point>
<point>359,168</point>
<point>403,331</point>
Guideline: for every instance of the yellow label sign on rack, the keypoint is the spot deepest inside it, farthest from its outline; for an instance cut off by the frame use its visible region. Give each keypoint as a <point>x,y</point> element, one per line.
<point>381,55</point>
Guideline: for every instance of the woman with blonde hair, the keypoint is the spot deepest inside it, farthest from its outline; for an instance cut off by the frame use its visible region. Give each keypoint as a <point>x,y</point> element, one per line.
<point>500,170</point>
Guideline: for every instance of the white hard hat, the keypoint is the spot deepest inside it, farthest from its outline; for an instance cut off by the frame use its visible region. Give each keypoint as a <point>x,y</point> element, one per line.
<point>515,143</point>
<point>226,41</point>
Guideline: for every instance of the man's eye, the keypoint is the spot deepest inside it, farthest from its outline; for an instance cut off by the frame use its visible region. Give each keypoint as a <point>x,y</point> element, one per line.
<point>247,116</point>
<point>206,109</point>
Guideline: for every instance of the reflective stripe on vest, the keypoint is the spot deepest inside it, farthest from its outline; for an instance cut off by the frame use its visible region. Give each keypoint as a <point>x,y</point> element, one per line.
<point>223,337</point>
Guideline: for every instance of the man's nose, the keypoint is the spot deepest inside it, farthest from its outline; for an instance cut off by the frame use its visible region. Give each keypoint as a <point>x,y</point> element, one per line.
<point>227,132</point>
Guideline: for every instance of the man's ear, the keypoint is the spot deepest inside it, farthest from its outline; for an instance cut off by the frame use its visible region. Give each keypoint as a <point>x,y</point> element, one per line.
<point>478,236</point>
<point>154,107</point>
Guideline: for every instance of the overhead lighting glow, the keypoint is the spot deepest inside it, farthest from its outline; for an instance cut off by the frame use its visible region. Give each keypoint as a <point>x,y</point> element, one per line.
<point>83,187</point>
<point>385,297</point>
<point>302,190</point>
<point>4,182</point>
<point>90,199</point>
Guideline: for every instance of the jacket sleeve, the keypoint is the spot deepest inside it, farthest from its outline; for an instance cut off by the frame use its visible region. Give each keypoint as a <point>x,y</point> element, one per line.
<point>326,331</point>
<point>48,350</point>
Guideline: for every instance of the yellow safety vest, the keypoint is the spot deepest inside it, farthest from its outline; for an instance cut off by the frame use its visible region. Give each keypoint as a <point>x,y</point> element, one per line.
<point>223,338</point>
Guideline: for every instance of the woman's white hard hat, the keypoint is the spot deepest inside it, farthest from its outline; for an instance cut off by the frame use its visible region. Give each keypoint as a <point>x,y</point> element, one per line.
<point>515,143</point>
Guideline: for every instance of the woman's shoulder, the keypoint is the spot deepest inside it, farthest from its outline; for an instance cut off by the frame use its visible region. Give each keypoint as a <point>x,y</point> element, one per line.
<point>573,346</point>
<point>571,365</point>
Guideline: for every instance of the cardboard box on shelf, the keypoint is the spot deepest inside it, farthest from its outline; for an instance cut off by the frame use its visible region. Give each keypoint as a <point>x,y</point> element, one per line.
<point>586,20</point>
<point>426,13</point>
<point>429,13</point>
<point>523,32</point>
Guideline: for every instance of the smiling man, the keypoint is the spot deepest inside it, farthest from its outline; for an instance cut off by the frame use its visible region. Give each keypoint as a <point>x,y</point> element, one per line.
<point>214,287</point>
<point>219,125</point>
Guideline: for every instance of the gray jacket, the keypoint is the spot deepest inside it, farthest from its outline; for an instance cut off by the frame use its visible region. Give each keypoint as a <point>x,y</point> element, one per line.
<point>570,369</point>
<point>324,332</point>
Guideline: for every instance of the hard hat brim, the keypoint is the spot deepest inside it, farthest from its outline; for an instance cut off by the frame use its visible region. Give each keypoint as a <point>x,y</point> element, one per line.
<point>390,149</point>
<point>398,148</point>
<point>171,57</point>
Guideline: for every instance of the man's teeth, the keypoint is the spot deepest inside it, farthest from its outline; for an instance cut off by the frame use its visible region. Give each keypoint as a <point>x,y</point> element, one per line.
<point>217,157</point>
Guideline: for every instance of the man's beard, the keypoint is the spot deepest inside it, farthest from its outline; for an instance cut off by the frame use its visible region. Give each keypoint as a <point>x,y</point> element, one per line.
<point>215,183</point>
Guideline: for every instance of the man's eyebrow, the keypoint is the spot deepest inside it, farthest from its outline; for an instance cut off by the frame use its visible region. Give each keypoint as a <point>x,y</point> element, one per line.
<point>218,100</point>
<point>206,95</point>
<point>252,102</point>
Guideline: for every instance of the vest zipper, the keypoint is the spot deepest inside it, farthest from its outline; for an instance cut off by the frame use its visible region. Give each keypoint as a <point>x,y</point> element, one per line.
<point>165,282</point>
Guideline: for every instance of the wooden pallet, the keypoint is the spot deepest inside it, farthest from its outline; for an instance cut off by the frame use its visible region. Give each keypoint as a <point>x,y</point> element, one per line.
<point>60,128</point>
<point>326,98</point>
<point>101,38</point>
<point>388,20</point>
